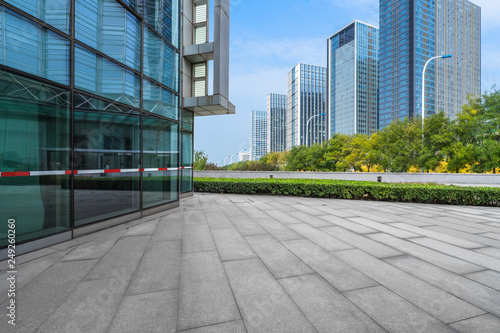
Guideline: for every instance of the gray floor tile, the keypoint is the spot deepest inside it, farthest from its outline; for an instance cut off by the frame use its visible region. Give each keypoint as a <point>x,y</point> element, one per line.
<point>490,251</point>
<point>278,259</point>
<point>464,235</point>
<point>394,313</point>
<point>438,235</point>
<point>205,296</point>
<point>468,255</point>
<point>326,308</point>
<point>492,235</point>
<point>278,230</point>
<point>263,303</point>
<point>158,270</point>
<point>475,293</point>
<point>488,278</point>
<point>353,226</point>
<point>197,238</point>
<point>194,216</point>
<point>427,297</point>
<point>247,226</point>
<point>230,327</point>
<point>312,210</point>
<point>339,274</point>
<point>361,242</point>
<point>336,212</point>
<point>320,238</point>
<point>312,220</point>
<point>218,220</point>
<point>146,228</point>
<point>437,258</point>
<point>92,250</point>
<point>482,324</point>
<point>154,312</point>
<point>122,259</point>
<point>231,245</point>
<point>90,308</point>
<point>168,230</point>
<point>383,227</point>
<point>283,217</point>
<point>43,295</point>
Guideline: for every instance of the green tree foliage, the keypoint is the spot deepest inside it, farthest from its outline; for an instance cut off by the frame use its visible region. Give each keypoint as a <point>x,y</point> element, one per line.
<point>200,160</point>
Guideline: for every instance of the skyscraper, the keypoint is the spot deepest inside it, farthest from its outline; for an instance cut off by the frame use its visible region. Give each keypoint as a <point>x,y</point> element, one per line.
<point>413,31</point>
<point>353,79</point>
<point>96,129</point>
<point>259,134</point>
<point>306,100</point>
<point>276,122</point>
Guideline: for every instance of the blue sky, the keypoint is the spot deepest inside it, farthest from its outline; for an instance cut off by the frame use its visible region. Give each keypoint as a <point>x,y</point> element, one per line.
<point>268,38</point>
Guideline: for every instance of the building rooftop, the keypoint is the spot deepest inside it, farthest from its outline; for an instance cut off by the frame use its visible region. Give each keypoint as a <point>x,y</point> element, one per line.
<point>234,263</point>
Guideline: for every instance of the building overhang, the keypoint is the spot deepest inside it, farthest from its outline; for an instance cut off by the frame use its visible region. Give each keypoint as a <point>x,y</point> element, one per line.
<point>199,52</point>
<point>208,105</point>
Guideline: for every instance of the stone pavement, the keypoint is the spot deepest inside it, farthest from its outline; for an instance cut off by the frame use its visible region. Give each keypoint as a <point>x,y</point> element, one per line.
<point>234,263</point>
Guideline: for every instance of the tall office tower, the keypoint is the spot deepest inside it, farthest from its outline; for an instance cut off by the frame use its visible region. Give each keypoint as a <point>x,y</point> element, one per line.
<point>352,79</point>
<point>413,31</point>
<point>306,100</point>
<point>259,134</point>
<point>276,122</point>
<point>95,128</point>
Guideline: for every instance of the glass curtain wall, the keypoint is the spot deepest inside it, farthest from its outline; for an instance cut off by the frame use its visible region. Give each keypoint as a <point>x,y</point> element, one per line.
<point>90,131</point>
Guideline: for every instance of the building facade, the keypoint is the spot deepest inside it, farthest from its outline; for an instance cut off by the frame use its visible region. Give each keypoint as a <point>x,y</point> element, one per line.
<point>259,135</point>
<point>353,79</point>
<point>276,123</point>
<point>97,128</point>
<point>306,101</point>
<point>413,31</point>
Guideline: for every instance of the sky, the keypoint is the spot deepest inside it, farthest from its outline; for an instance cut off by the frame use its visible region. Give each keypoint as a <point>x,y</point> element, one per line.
<point>268,38</point>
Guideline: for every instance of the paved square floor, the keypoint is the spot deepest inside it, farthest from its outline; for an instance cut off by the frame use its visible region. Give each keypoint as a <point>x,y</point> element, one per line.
<point>233,263</point>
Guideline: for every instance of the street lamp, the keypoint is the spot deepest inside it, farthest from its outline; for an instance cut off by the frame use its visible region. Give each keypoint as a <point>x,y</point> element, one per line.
<point>423,88</point>
<point>307,125</point>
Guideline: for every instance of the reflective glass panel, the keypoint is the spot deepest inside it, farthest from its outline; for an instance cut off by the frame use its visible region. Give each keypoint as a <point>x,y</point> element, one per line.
<point>108,27</point>
<point>187,120</point>
<point>187,161</point>
<point>105,78</point>
<point>160,151</point>
<point>30,48</point>
<point>35,140</point>
<point>107,157</point>
<point>53,12</point>
<point>160,101</point>
<point>161,61</point>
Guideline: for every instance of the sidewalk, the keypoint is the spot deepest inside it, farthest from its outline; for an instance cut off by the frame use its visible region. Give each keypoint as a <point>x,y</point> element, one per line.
<point>234,263</point>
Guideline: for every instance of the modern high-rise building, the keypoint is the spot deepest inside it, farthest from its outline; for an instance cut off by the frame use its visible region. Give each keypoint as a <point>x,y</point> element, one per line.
<point>352,79</point>
<point>276,123</point>
<point>96,111</point>
<point>306,118</point>
<point>259,135</point>
<point>413,31</point>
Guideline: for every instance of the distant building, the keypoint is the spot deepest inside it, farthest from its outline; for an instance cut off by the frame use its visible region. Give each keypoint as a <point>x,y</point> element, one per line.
<point>242,157</point>
<point>413,31</point>
<point>276,123</point>
<point>259,134</point>
<point>353,79</point>
<point>306,100</point>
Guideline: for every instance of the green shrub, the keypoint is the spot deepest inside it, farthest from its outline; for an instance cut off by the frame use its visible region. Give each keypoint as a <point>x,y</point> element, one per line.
<point>323,188</point>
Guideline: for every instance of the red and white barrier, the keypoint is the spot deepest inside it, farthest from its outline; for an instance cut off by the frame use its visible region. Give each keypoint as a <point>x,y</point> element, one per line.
<point>83,172</point>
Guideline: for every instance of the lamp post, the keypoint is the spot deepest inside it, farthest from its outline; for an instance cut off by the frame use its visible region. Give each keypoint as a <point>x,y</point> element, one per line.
<point>307,125</point>
<point>423,89</point>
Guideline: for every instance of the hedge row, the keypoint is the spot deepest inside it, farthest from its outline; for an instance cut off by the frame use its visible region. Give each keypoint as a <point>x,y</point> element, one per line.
<point>323,188</point>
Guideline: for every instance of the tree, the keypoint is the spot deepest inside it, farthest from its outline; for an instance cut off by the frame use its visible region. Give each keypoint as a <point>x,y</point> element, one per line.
<point>437,140</point>
<point>200,160</point>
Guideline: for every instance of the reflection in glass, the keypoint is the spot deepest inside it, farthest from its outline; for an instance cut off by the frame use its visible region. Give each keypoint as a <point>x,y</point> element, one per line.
<point>28,47</point>
<point>106,136</point>
<point>160,101</point>
<point>160,151</point>
<point>100,24</point>
<point>34,136</point>
<point>187,161</point>
<point>187,120</point>
<point>55,13</point>
<point>102,77</point>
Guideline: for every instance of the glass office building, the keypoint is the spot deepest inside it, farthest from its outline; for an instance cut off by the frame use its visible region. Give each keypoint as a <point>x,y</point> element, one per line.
<point>353,79</point>
<point>306,100</point>
<point>259,134</point>
<point>276,123</point>
<point>92,121</point>
<point>411,32</point>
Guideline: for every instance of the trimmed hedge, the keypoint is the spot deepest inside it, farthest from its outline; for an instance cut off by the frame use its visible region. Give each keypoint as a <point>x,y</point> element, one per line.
<point>325,188</point>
